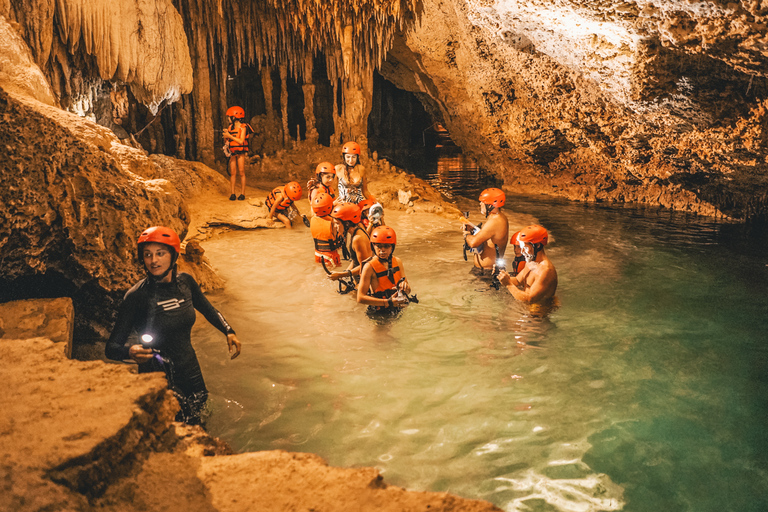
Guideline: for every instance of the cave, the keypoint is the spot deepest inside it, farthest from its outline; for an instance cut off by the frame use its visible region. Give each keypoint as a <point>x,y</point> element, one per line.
<point>646,122</point>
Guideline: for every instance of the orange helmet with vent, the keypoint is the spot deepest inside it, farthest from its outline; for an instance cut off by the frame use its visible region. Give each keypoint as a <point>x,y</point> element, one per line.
<point>293,191</point>
<point>348,212</point>
<point>366,203</point>
<point>236,112</point>
<point>383,235</point>
<point>534,234</point>
<point>160,235</point>
<point>322,204</point>
<point>325,168</point>
<point>350,148</point>
<point>493,197</point>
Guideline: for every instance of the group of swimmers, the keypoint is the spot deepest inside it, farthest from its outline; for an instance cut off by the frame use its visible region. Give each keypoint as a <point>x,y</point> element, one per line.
<point>160,308</point>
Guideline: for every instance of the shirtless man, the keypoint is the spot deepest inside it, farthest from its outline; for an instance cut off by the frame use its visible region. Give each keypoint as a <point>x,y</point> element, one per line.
<point>491,239</point>
<point>537,282</point>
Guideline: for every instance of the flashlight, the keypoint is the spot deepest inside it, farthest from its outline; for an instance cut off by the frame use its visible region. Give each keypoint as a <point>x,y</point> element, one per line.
<point>146,340</point>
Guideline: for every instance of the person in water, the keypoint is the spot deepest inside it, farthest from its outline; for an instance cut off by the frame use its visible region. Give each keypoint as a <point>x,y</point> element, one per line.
<point>236,137</point>
<point>353,186</point>
<point>161,309</point>
<point>325,174</point>
<point>518,264</point>
<point>383,285</point>
<point>350,217</point>
<point>326,232</point>
<point>537,283</point>
<point>280,203</point>
<point>490,240</point>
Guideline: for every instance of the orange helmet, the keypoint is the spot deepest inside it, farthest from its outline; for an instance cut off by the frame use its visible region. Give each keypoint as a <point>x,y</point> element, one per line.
<point>350,147</point>
<point>325,168</point>
<point>534,234</point>
<point>349,212</point>
<point>493,197</point>
<point>322,204</point>
<point>236,112</point>
<point>293,191</point>
<point>366,203</point>
<point>514,240</point>
<point>160,235</point>
<point>383,235</point>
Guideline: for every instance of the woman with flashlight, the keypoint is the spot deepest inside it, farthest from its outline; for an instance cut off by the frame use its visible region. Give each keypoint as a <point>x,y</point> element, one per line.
<point>161,309</point>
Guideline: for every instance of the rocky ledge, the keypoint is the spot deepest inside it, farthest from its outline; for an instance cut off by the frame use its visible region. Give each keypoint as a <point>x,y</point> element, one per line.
<point>88,435</point>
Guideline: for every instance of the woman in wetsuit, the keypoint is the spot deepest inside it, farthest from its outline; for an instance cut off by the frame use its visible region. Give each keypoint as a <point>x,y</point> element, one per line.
<point>161,309</point>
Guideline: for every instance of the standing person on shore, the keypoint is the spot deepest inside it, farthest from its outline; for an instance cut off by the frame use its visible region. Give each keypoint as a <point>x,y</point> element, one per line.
<point>161,309</point>
<point>490,240</point>
<point>353,186</point>
<point>537,283</point>
<point>236,138</point>
<point>280,203</point>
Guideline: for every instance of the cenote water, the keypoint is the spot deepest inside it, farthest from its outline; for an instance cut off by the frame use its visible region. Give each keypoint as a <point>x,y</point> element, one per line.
<point>645,391</point>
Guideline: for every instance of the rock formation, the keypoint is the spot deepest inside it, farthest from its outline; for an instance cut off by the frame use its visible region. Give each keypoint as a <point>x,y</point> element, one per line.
<point>649,101</point>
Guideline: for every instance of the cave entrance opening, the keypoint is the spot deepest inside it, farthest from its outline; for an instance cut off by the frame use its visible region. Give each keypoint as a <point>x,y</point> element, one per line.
<point>403,132</point>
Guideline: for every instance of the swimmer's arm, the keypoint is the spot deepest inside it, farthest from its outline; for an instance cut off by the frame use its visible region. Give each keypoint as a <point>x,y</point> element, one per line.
<point>535,292</point>
<point>115,348</point>
<point>335,276</point>
<point>404,286</point>
<point>273,209</point>
<point>485,234</point>
<point>214,317</point>
<point>364,286</point>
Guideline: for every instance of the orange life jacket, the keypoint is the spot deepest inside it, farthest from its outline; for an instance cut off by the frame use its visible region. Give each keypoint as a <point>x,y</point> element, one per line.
<point>322,234</point>
<point>385,286</point>
<point>234,147</point>
<point>277,195</point>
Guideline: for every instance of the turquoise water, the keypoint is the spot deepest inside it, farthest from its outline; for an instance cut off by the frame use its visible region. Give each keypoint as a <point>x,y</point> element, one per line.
<point>645,390</point>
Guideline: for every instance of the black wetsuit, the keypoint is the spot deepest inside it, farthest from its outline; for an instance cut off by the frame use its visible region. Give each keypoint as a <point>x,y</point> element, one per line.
<point>166,311</point>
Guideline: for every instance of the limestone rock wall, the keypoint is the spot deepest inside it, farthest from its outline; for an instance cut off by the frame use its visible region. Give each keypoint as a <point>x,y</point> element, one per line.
<point>71,211</point>
<point>654,102</point>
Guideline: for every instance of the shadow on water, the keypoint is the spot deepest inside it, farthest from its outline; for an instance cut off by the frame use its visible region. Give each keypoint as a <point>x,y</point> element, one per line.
<point>645,390</point>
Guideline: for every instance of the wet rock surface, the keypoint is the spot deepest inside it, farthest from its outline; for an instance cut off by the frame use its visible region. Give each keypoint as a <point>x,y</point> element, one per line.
<point>85,436</point>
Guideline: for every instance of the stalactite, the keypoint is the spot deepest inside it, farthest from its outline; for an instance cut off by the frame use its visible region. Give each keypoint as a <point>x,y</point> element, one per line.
<point>267,87</point>
<point>309,102</point>
<point>284,102</point>
<point>138,42</point>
